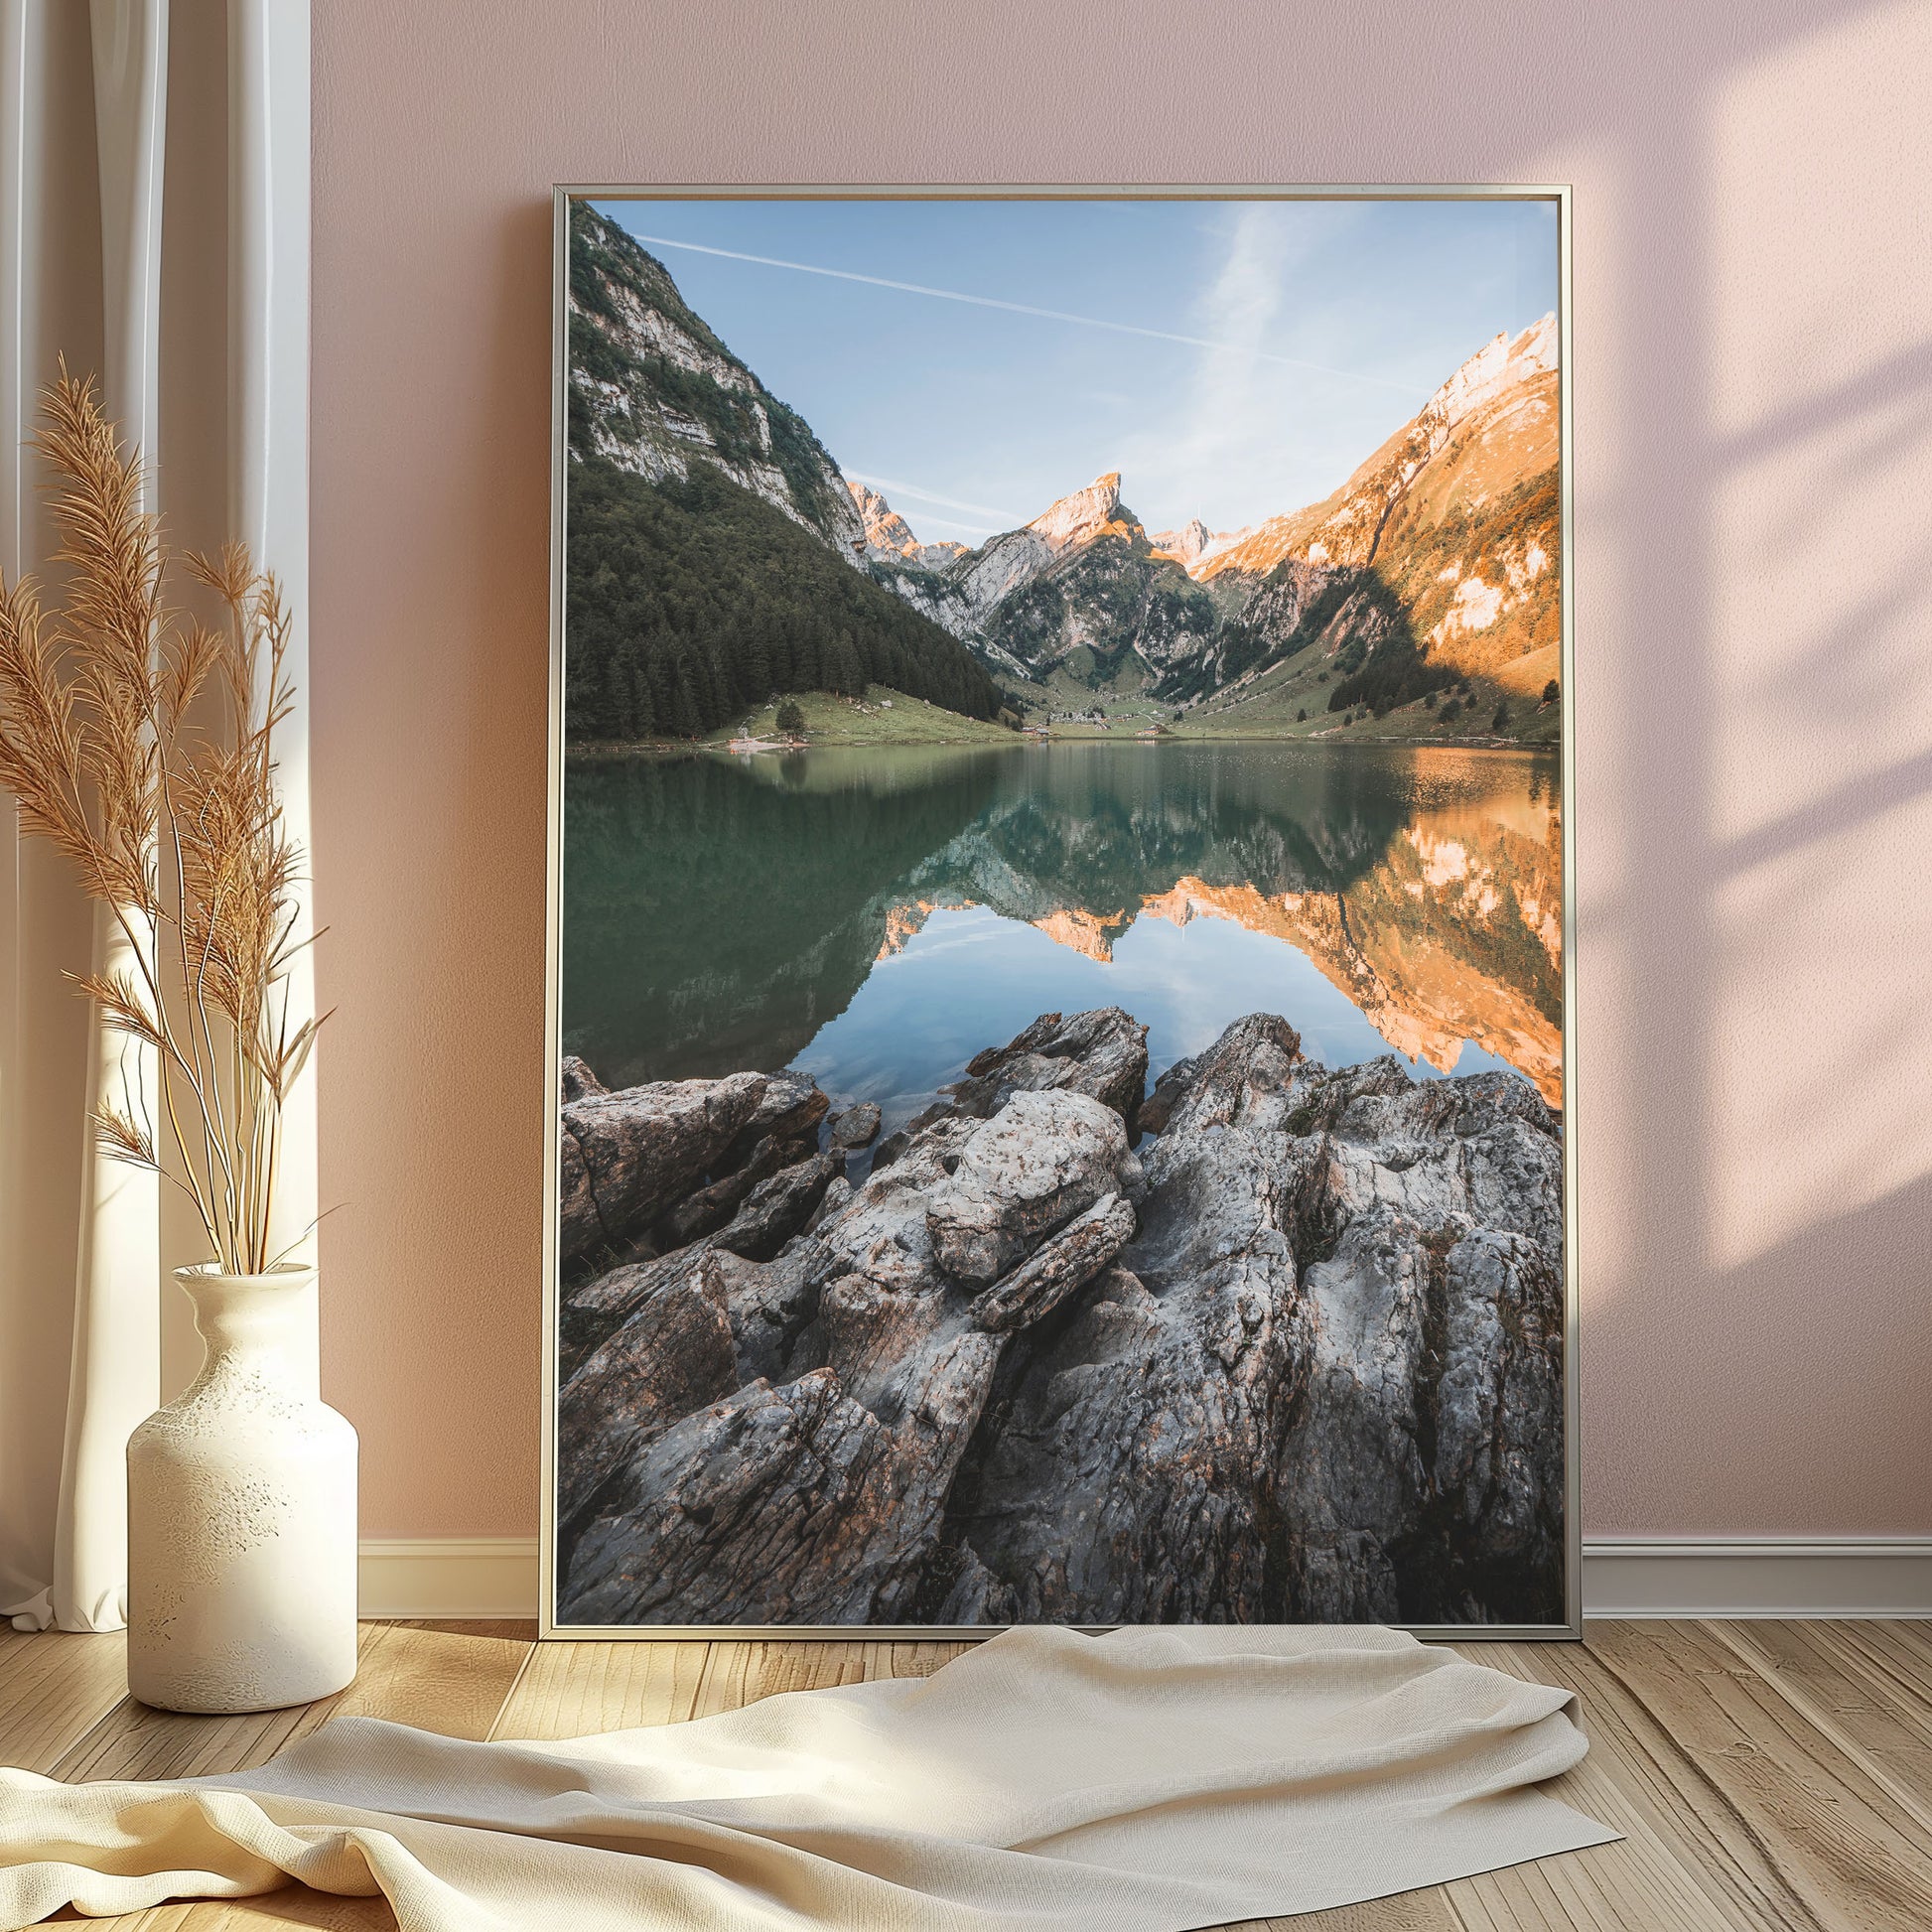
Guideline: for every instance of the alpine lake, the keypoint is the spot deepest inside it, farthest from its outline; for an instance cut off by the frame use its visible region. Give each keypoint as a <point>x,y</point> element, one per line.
<point>874,916</point>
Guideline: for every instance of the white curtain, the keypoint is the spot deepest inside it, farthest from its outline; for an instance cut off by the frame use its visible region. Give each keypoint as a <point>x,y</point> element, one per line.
<point>154,228</point>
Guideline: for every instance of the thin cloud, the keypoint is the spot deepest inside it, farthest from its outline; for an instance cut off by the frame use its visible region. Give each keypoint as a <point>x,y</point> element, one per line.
<point>1231,432</point>
<point>1009,522</point>
<point>976,531</point>
<point>1027,309</point>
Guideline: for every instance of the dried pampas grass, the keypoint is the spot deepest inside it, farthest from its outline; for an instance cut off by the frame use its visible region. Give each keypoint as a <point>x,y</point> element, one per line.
<point>168,810</point>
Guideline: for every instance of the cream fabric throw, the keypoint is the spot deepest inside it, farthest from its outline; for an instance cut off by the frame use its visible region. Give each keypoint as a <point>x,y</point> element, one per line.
<point>1144,1781</point>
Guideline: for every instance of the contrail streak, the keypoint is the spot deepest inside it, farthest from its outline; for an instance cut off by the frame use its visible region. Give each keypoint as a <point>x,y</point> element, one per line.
<point>928,521</point>
<point>1025,309</point>
<point>1007,521</point>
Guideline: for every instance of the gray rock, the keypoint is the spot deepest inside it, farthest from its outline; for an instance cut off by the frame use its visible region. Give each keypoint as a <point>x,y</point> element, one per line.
<point>1324,1378</point>
<point>788,1110</point>
<point>1353,1478</point>
<point>770,1305</point>
<point>1041,1159</point>
<point>889,1211</point>
<point>579,1083</point>
<point>710,1209</point>
<point>673,1353</point>
<point>1242,1080</point>
<point>1485,1147</point>
<point>834,1197</point>
<point>722,1518</point>
<point>792,1505</point>
<point>590,1309</point>
<point>628,1156</point>
<point>578,1228</point>
<point>1130,1477</point>
<point>883,1300</point>
<point>816,1493</point>
<point>894,1144</point>
<point>975,1595</point>
<point>856,1127</point>
<point>1317,1389</point>
<point>1499,1414</point>
<point>1102,1053</point>
<point>1062,1263</point>
<point>776,1210</point>
<point>1155,1109</point>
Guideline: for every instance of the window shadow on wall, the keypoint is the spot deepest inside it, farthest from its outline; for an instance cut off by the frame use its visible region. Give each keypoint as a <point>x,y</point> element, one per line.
<point>1755,728</point>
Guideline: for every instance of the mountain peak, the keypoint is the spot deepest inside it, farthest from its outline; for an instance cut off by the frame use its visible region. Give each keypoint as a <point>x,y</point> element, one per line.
<point>1499,364</point>
<point>885,529</point>
<point>1344,529</point>
<point>888,537</point>
<point>1188,542</point>
<point>1081,514</point>
<point>870,503</point>
<point>1193,545</point>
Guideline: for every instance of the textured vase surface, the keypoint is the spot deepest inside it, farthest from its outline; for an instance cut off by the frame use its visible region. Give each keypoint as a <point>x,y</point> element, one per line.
<point>241,1513</point>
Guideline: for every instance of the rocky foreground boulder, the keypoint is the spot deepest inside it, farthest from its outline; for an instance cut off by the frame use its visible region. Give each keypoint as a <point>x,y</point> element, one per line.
<point>629,1157</point>
<point>1295,1356</point>
<point>1102,1053</point>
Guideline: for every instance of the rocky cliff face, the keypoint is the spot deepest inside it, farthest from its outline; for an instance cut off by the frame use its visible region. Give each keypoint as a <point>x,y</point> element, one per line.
<point>927,577</point>
<point>1438,558</point>
<point>1296,1357</point>
<point>1194,546</point>
<point>1009,562</point>
<point>714,555</point>
<point>1441,546</point>
<point>1082,577</point>
<point>1344,529</point>
<point>890,539</point>
<point>656,391</point>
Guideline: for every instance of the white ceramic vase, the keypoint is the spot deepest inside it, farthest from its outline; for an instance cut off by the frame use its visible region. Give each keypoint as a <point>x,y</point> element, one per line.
<point>241,1513</point>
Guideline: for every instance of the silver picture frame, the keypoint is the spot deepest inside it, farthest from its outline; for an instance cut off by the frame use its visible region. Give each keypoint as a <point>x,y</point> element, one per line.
<point>563,195</point>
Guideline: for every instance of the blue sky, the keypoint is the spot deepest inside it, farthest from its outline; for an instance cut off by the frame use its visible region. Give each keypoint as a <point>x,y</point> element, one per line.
<point>1232,359</point>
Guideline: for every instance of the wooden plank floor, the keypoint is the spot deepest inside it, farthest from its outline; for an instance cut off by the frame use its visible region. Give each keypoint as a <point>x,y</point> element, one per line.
<point>1769,1777</point>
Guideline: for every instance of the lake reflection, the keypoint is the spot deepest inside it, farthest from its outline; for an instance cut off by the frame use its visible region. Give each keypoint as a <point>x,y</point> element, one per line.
<point>877,917</point>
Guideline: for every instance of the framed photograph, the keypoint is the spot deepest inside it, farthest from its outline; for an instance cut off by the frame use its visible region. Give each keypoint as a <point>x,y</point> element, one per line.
<point>1060,1037</point>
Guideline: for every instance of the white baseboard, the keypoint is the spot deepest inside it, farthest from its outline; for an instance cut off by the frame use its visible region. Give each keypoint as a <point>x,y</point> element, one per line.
<point>1658,1576</point>
<point>1758,1576</point>
<point>448,1577</point>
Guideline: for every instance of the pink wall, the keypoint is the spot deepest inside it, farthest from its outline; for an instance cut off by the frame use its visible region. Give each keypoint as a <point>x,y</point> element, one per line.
<point>1753,470</point>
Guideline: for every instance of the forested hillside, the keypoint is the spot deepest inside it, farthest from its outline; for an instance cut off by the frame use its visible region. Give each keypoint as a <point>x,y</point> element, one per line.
<point>691,601</point>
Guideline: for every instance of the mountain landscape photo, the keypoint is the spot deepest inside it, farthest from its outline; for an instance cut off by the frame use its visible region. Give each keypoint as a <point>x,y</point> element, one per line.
<point>1426,584</point>
<point>1065,1083</point>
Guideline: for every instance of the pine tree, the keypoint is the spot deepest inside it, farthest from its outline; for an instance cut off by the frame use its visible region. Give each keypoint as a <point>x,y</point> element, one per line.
<point>848,675</point>
<point>684,709</point>
<point>643,712</point>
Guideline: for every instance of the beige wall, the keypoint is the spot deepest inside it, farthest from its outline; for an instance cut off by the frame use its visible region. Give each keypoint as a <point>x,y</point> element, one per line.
<point>1753,467</point>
